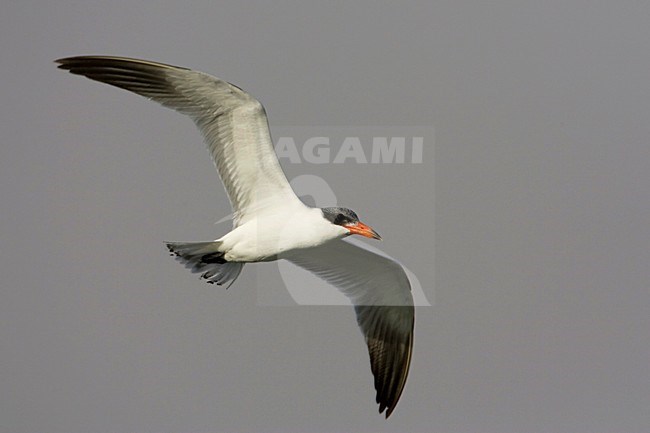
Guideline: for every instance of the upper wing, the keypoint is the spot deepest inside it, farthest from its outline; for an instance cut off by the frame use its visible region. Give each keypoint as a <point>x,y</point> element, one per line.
<point>381,293</point>
<point>233,123</point>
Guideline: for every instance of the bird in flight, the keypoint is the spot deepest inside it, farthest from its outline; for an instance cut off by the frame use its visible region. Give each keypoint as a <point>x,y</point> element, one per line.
<point>269,221</point>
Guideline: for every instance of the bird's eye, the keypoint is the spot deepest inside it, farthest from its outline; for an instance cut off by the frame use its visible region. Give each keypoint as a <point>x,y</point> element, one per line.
<point>340,219</point>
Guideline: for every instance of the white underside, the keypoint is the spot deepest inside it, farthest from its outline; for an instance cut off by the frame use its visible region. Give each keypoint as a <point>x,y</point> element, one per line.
<point>275,231</point>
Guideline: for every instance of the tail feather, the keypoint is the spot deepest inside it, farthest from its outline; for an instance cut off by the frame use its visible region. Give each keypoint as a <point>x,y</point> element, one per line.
<point>205,258</point>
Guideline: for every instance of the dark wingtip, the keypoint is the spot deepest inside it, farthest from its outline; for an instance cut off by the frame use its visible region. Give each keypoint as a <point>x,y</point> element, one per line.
<point>388,407</point>
<point>104,60</point>
<point>60,63</point>
<point>65,62</point>
<point>70,63</point>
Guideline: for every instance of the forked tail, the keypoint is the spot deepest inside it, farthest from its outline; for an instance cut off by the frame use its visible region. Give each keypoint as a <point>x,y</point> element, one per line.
<point>205,258</point>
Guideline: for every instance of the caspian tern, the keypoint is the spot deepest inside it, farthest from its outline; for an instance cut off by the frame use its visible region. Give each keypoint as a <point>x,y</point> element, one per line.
<point>270,222</point>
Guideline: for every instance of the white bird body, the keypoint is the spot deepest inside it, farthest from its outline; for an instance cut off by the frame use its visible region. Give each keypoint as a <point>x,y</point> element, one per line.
<point>263,237</point>
<point>270,222</point>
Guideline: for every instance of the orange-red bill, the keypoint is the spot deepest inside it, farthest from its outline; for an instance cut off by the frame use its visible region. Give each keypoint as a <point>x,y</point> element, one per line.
<point>362,230</point>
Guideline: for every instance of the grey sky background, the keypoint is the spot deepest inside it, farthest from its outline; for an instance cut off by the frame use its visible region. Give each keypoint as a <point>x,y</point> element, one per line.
<point>540,226</point>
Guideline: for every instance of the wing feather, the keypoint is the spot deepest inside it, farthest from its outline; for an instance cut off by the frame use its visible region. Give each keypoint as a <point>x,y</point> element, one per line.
<point>381,294</point>
<point>233,123</point>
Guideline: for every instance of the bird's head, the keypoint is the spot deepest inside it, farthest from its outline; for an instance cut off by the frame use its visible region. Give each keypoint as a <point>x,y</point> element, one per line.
<point>348,220</point>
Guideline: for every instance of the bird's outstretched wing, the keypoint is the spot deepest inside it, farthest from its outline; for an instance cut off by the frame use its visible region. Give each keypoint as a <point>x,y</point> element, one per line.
<point>381,294</point>
<point>233,123</point>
